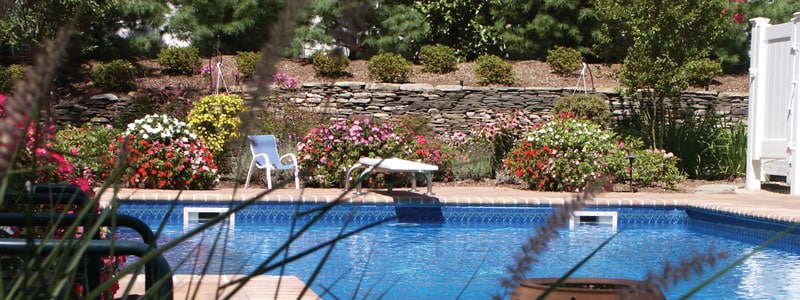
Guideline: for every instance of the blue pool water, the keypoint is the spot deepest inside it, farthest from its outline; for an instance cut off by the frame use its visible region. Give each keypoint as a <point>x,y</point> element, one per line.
<point>467,252</point>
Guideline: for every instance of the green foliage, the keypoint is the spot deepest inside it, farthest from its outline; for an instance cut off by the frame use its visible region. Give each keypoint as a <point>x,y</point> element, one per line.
<point>389,67</point>
<point>438,59</point>
<point>180,60</point>
<point>656,54</point>
<point>216,120</point>
<point>246,62</point>
<point>729,151</point>
<point>592,107</point>
<point>492,69</point>
<point>564,60</point>
<point>90,143</point>
<point>563,154</point>
<point>464,25</point>
<point>226,26</point>
<point>392,21</point>
<point>27,25</point>
<point>330,63</point>
<point>118,75</point>
<point>529,29</point>
<point>9,77</point>
<point>161,152</point>
<point>708,147</point>
<point>701,72</point>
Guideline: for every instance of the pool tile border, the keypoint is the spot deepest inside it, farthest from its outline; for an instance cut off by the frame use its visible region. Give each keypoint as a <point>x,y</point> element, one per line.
<point>764,206</point>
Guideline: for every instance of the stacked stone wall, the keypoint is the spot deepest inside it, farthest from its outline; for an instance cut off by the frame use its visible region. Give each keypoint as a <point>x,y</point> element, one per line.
<point>446,107</point>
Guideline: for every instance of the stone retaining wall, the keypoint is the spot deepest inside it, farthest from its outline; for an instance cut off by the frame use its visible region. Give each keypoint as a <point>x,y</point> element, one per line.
<point>447,107</point>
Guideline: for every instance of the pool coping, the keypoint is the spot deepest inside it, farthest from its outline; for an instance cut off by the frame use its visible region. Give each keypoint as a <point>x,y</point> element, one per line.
<point>760,205</point>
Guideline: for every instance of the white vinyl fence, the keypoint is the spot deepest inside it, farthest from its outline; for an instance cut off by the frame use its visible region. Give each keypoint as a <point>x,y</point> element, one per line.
<point>773,103</point>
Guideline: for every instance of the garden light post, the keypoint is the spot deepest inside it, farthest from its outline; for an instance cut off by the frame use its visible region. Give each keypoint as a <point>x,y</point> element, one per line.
<point>631,157</point>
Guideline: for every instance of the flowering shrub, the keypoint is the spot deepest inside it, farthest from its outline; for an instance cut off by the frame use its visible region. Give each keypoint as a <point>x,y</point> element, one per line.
<point>216,120</point>
<point>327,151</point>
<point>432,151</point>
<point>91,141</point>
<point>285,81</point>
<point>563,154</point>
<point>162,153</point>
<point>503,131</point>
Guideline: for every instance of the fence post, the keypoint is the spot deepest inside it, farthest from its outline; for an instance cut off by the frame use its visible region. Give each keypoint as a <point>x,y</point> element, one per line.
<point>755,113</point>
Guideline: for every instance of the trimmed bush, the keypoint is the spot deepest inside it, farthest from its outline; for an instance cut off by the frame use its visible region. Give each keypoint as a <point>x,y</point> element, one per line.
<point>179,60</point>
<point>389,67</point>
<point>9,77</point>
<point>246,63</point>
<point>330,63</point>
<point>438,59</point>
<point>699,73</point>
<point>564,60</point>
<point>216,120</point>
<point>591,107</point>
<point>493,69</point>
<point>118,76</point>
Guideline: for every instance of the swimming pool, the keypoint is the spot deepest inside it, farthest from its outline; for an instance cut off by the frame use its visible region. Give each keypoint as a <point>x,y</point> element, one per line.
<point>444,250</point>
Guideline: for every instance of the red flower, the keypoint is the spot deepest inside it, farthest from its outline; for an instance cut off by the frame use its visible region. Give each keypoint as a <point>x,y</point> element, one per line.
<point>738,18</point>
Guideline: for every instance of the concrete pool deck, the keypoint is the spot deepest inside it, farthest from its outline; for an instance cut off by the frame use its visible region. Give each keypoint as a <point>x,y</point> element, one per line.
<point>758,204</point>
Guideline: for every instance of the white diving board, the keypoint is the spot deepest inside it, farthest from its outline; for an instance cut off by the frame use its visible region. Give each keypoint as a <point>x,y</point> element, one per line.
<point>391,165</point>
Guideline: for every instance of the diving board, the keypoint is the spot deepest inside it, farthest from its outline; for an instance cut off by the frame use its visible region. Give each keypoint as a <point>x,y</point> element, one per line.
<point>391,165</point>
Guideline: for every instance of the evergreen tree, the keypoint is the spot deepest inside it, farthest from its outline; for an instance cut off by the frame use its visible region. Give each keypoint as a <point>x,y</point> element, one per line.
<point>227,25</point>
<point>529,28</point>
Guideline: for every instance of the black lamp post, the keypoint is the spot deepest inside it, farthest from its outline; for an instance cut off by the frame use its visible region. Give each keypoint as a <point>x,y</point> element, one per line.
<point>631,157</point>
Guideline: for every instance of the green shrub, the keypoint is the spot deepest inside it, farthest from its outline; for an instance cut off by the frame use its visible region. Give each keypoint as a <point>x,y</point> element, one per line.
<point>438,59</point>
<point>389,67</point>
<point>492,69</point>
<point>9,77</point>
<point>118,75</point>
<point>89,143</point>
<point>564,60</point>
<point>700,72</point>
<point>246,63</point>
<point>215,119</point>
<point>650,167</point>
<point>180,60</point>
<point>592,107</point>
<point>330,63</point>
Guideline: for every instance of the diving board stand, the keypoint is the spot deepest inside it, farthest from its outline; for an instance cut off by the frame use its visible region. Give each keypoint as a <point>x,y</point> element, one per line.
<point>391,165</point>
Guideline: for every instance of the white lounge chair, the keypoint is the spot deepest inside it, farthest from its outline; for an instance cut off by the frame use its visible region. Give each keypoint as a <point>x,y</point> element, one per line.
<point>265,156</point>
